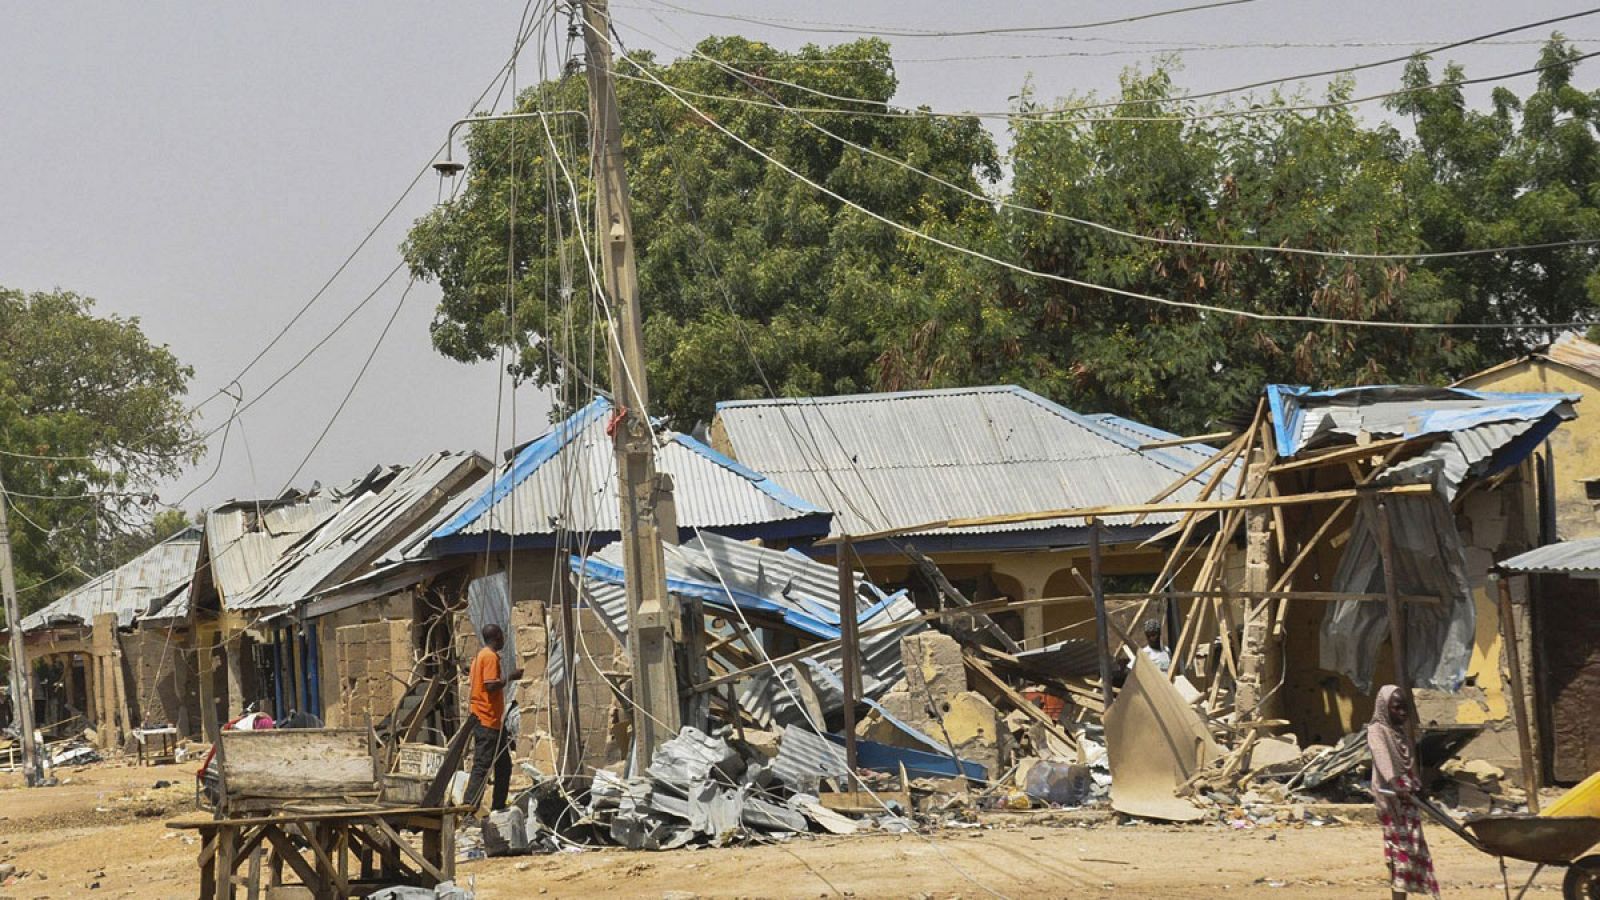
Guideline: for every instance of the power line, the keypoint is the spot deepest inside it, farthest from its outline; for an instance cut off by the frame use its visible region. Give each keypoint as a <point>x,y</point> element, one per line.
<point>1063,279</point>
<point>1179,242</point>
<point>802,25</point>
<point>1056,116</point>
<point>353,385</point>
<point>1323,73</point>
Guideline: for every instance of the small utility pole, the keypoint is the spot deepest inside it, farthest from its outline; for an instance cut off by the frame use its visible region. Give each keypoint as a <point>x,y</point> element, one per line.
<point>21,688</point>
<point>652,619</point>
<point>1101,620</point>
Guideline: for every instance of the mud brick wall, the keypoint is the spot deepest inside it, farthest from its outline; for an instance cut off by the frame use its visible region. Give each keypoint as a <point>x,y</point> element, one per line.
<point>374,666</point>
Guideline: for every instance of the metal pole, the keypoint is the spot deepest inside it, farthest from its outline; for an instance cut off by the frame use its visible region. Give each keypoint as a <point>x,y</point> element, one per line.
<point>1101,623</point>
<point>572,734</point>
<point>21,686</point>
<point>1519,703</point>
<point>850,652</point>
<point>652,620</point>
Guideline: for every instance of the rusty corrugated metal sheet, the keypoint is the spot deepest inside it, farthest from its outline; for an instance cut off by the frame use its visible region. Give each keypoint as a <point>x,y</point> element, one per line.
<point>129,590</point>
<point>1572,350</point>
<point>897,460</point>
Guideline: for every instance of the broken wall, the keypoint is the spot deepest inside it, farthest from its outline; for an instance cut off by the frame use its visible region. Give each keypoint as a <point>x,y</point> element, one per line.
<point>166,687</point>
<point>1495,523</point>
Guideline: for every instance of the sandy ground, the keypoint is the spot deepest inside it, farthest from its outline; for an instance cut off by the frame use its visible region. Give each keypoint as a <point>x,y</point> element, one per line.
<point>102,834</point>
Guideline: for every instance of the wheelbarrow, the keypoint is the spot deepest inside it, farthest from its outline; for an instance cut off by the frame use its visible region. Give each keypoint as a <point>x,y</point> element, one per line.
<point>1541,840</point>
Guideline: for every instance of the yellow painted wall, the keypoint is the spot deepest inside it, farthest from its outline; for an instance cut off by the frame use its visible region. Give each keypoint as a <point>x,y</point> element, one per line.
<point>1575,445</point>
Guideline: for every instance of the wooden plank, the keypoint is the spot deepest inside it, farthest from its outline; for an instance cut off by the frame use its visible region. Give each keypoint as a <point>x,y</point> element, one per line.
<point>296,762</point>
<point>1343,454</point>
<point>1192,439</point>
<point>987,675</point>
<point>1086,512</point>
<point>314,835</point>
<point>286,853</point>
<point>1519,700</point>
<point>1191,475</point>
<point>421,860</point>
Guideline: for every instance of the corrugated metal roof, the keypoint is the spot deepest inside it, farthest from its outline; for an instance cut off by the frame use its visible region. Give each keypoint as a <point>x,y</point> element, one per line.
<point>1572,350</point>
<point>129,590</point>
<point>365,526</point>
<point>245,538</point>
<point>1186,455</point>
<point>769,586</point>
<point>1480,432</point>
<point>898,460</point>
<point>1580,557</point>
<point>568,479</point>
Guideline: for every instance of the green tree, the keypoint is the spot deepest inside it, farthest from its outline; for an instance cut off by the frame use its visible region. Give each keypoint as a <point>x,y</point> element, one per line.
<point>91,417</point>
<point>1525,171</point>
<point>732,251</point>
<point>1315,179</point>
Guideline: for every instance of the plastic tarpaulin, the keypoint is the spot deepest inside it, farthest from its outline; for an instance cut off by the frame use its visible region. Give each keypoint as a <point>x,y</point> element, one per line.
<point>1429,560</point>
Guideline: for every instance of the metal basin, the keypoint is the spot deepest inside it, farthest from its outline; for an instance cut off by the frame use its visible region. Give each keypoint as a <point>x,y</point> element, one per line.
<point>1536,839</point>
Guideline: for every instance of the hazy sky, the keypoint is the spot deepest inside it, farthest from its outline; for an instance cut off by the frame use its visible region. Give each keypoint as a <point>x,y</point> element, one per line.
<point>207,166</point>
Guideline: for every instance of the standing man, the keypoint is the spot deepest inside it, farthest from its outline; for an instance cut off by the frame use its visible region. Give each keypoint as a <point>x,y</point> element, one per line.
<point>490,743</point>
<point>1153,650</point>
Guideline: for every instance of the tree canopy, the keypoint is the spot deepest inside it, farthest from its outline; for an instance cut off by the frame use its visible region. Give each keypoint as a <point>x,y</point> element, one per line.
<point>738,258</point>
<point>739,263</point>
<point>91,416</point>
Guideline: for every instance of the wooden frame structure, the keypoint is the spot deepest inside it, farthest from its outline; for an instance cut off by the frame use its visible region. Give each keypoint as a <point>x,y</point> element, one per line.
<point>334,852</point>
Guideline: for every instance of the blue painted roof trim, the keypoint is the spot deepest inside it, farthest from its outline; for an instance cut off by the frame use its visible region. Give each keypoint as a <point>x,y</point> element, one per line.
<point>805,528</point>
<point>545,449</point>
<point>528,461</point>
<point>1287,403</point>
<point>761,481</point>
<point>819,620</point>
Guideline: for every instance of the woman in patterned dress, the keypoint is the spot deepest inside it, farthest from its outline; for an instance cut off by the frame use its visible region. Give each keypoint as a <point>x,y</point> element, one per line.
<point>1394,786</point>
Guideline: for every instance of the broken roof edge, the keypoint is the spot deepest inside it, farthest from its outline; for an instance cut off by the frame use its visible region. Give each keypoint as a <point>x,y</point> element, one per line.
<point>1287,412</point>
<point>1579,557</point>
<point>1082,420</point>
<point>541,450</point>
<point>1564,351</point>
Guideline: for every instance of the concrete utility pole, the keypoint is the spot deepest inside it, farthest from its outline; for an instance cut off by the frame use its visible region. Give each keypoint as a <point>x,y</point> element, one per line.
<point>652,619</point>
<point>21,688</point>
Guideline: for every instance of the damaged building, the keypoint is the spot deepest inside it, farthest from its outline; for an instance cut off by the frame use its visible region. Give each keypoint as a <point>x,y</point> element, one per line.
<point>905,464</point>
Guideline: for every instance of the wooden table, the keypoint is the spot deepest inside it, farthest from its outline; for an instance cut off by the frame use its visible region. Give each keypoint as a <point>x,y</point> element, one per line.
<point>166,738</point>
<point>335,852</point>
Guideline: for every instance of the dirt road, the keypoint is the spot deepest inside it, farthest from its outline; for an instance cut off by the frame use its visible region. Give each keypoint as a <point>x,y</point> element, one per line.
<point>101,835</point>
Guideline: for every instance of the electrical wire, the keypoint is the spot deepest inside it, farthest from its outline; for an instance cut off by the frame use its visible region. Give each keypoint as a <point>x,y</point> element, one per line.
<point>1177,242</point>
<point>1063,279</point>
<point>1060,116</point>
<point>1322,73</point>
<point>355,383</point>
<point>802,25</point>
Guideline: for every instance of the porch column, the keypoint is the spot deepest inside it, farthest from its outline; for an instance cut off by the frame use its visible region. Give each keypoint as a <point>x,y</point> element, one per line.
<point>206,663</point>
<point>233,649</point>
<point>69,668</point>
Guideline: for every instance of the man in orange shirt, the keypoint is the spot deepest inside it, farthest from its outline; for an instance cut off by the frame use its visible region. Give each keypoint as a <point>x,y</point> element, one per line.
<point>491,746</point>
